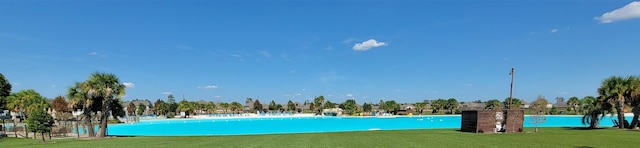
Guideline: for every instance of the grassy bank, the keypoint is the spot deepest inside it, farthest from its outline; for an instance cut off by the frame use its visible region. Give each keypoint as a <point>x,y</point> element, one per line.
<point>547,137</point>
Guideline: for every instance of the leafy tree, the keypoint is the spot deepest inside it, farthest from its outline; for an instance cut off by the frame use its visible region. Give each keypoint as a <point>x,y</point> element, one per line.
<point>451,104</point>
<point>328,105</point>
<point>420,106</point>
<point>186,107</point>
<point>26,101</point>
<point>392,106</point>
<point>273,105</point>
<point>173,105</point>
<point>477,101</point>
<point>493,105</point>
<point>257,105</point>
<point>131,109</point>
<point>554,111</point>
<point>59,104</point>
<point>159,107</point>
<point>540,105</point>
<point>367,107</point>
<point>438,104</point>
<point>5,91</point>
<point>117,110</point>
<point>382,105</point>
<point>515,103</point>
<point>171,99</point>
<point>573,102</point>
<point>140,110</point>
<point>291,106</point>
<point>279,107</point>
<point>349,106</point>
<point>40,121</point>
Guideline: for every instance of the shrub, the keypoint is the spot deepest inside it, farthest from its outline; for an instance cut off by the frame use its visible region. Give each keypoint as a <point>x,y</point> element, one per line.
<point>171,114</point>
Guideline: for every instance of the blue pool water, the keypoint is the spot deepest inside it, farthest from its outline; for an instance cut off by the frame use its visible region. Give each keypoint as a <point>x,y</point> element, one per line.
<point>280,125</point>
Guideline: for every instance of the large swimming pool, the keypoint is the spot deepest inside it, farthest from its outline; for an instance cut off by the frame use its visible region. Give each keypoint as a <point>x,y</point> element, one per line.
<point>280,125</point>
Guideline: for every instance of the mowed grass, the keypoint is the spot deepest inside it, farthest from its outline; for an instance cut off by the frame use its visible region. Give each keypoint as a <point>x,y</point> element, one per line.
<point>547,137</point>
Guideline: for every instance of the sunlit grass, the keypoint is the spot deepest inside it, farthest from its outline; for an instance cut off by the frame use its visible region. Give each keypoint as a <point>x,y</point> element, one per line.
<point>547,137</point>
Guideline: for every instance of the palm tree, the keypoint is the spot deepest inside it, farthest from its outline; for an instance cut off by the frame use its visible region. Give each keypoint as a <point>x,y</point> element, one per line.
<point>633,98</point>
<point>586,103</point>
<point>186,107</point>
<point>595,111</point>
<point>225,106</point>
<point>493,105</point>
<point>613,90</point>
<point>420,106</point>
<point>452,104</point>
<point>573,102</point>
<point>211,107</point>
<point>78,100</point>
<point>105,90</point>
<point>236,106</point>
<point>318,102</point>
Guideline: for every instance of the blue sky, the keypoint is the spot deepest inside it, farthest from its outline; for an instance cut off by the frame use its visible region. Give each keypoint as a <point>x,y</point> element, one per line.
<point>296,50</point>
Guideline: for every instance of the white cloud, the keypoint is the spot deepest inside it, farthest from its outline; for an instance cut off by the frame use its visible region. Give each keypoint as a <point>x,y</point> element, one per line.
<point>564,93</point>
<point>468,85</point>
<point>348,40</point>
<point>553,30</point>
<point>129,84</point>
<point>265,54</point>
<point>53,86</point>
<point>97,54</point>
<point>328,48</point>
<point>349,95</point>
<point>208,87</point>
<point>366,45</point>
<point>298,94</point>
<point>630,11</point>
<point>218,96</point>
<point>167,93</point>
<point>16,84</point>
<point>236,55</point>
<point>304,89</point>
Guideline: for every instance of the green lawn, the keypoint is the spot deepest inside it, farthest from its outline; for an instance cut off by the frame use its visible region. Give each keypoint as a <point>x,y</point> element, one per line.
<point>547,137</point>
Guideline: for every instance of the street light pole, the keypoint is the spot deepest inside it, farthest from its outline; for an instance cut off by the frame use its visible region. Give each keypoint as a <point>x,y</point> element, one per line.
<point>511,89</point>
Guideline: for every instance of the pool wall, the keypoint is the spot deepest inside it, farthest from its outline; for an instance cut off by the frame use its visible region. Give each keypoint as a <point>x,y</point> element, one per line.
<point>281,125</point>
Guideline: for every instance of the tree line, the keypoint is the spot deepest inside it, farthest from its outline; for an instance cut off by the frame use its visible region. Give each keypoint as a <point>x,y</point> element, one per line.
<point>99,97</point>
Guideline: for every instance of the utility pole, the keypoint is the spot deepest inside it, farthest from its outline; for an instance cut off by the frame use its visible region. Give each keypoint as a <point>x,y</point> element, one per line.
<point>511,89</point>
